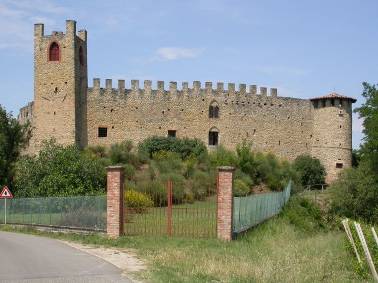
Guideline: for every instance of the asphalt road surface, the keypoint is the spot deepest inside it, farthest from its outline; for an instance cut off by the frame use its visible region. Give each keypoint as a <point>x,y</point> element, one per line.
<point>27,258</point>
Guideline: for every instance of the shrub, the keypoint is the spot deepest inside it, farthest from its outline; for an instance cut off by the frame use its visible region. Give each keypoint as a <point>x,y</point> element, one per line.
<point>137,200</point>
<point>121,153</point>
<point>185,148</point>
<point>310,170</point>
<point>166,162</point>
<point>304,214</point>
<point>59,171</point>
<point>240,188</point>
<point>202,185</point>
<point>355,194</point>
<point>129,171</point>
<point>222,157</point>
<point>155,189</point>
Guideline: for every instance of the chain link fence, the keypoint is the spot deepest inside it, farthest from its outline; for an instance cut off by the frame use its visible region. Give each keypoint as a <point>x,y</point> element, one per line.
<point>251,210</point>
<point>82,212</point>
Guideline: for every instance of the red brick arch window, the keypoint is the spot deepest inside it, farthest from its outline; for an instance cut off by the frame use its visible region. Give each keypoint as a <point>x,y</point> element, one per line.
<point>54,52</point>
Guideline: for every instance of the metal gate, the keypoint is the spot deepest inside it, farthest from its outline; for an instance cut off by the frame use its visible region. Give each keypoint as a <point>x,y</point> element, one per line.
<point>169,211</point>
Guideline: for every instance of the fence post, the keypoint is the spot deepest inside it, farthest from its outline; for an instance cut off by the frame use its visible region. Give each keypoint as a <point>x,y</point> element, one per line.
<point>169,207</point>
<point>225,202</point>
<point>114,211</point>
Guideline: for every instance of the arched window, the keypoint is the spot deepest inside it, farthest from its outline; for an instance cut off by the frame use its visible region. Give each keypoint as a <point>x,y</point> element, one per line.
<point>214,110</point>
<point>81,56</point>
<point>213,136</point>
<point>54,52</point>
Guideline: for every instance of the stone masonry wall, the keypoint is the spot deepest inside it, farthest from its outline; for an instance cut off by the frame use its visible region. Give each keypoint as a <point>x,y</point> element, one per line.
<point>332,135</point>
<point>277,124</point>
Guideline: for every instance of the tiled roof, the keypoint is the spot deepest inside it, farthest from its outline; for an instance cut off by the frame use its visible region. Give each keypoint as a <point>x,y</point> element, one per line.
<point>334,95</point>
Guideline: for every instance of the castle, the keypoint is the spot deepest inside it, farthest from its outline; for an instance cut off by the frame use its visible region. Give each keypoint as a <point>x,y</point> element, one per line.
<point>66,109</point>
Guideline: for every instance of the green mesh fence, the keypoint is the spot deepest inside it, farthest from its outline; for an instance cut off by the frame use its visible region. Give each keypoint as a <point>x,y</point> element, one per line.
<point>84,212</point>
<point>254,209</point>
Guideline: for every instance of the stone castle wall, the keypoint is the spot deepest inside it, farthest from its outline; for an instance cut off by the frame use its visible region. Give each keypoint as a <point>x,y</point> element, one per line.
<point>276,124</point>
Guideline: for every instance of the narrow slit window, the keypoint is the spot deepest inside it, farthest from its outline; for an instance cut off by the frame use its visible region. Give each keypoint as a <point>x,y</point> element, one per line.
<point>102,132</point>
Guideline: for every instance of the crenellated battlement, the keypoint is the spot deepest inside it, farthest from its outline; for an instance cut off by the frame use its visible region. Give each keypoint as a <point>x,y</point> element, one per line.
<point>39,31</point>
<point>173,89</point>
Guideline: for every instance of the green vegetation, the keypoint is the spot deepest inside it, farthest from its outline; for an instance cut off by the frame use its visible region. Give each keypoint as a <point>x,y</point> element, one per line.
<point>138,201</point>
<point>283,249</point>
<point>59,171</point>
<point>68,171</point>
<point>356,191</point>
<point>310,170</point>
<point>13,137</point>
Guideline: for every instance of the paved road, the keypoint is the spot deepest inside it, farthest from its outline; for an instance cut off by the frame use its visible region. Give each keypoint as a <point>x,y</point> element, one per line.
<point>26,258</point>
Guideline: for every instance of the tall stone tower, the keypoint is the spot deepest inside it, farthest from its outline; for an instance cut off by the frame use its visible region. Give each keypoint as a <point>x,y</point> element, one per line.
<point>332,132</point>
<point>60,86</point>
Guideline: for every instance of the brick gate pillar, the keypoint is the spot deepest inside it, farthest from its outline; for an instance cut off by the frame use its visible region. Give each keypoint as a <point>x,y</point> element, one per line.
<point>225,202</point>
<point>114,211</point>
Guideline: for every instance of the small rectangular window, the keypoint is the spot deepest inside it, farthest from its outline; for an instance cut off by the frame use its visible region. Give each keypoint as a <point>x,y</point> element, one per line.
<point>213,138</point>
<point>172,133</point>
<point>102,132</point>
<point>339,165</point>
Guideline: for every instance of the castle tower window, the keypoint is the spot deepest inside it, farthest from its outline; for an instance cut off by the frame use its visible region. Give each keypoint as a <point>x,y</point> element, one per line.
<point>102,132</point>
<point>213,137</point>
<point>214,110</point>
<point>339,165</point>
<point>81,56</point>
<point>171,133</point>
<point>54,52</point>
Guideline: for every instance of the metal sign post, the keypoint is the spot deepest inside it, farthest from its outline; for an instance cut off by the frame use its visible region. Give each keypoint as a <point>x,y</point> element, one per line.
<point>5,193</point>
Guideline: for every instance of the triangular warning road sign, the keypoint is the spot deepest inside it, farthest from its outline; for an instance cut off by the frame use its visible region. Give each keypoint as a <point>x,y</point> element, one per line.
<point>6,193</point>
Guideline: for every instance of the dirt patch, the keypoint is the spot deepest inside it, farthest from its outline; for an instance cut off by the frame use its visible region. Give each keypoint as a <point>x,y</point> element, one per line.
<point>122,258</point>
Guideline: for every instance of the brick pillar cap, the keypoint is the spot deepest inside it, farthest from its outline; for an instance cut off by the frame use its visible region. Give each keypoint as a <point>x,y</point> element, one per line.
<point>114,167</point>
<point>226,168</point>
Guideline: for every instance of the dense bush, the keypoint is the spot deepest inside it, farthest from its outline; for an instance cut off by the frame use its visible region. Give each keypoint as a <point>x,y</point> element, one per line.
<point>310,170</point>
<point>355,194</point>
<point>13,137</point>
<point>240,188</point>
<point>59,171</point>
<point>137,200</point>
<point>184,147</point>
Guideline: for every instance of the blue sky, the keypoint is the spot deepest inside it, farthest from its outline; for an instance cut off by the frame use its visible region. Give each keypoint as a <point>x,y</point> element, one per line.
<point>304,48</point>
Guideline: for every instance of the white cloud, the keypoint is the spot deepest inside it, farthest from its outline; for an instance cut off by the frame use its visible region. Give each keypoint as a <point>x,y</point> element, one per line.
<point>176,53</point>
<point>17,19</point>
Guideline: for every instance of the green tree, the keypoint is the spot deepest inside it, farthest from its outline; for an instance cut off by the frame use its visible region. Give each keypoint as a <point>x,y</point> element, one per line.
<point>59,171</point>
<point>13,137</point>
<point>310,170</point>
<point>369,113</point>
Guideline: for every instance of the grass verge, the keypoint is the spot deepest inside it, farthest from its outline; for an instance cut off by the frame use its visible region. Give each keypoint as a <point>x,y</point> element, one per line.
<point>293,247</point>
